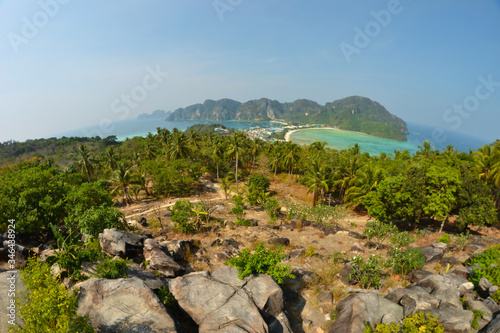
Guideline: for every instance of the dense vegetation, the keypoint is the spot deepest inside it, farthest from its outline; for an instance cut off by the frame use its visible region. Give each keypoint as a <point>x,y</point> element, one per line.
<point>390,187</point>
<point>353,113</point>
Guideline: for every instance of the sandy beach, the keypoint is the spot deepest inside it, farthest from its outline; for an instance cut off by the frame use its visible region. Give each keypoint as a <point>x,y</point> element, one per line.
<point>287,135</point>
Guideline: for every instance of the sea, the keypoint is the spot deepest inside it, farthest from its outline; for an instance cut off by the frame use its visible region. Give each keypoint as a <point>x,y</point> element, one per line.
<point>336,139</point>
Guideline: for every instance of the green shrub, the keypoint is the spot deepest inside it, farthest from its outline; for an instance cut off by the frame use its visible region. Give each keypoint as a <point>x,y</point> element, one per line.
<point>259,182</point>
<point>489,261</point>
<point>403,262</point>
<point>273,209</point>
<point>93,221</point>
<point>310,251</point>
<point>238,211</point>
<point>167,298</point>
<point>112,269</point>
<point>263,261</point>
<point>477,314</point>
<point>415,323</point>
<point>368,274</point>
<point>379,231</point>
<point>401,239</point>
<point>444,239</point>
<point>49,307</point>
<point>182,211</point>
<point>243,222</point>
<point>461,240</point>
<point>339,257</point>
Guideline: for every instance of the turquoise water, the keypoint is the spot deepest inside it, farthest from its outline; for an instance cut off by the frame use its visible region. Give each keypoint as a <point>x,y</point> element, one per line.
<point>418,134</point>
<point>334,138</point>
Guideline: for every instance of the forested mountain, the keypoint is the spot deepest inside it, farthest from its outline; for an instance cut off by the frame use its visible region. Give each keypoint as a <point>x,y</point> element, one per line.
<point>353,113</point>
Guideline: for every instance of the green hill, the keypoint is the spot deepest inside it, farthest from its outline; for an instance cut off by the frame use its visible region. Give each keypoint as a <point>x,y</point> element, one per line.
<point>353,113</point>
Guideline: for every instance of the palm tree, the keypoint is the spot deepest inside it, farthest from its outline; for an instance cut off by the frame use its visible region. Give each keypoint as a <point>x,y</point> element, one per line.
<point>316,179</point>
<point>217,152</point>
<point>290,157</point>
<point>86,161</point>
<point>236,149</point>
<point>426,150</point>
<point>110,157</point>
<point>179,147</point>
<point>256,146</point>
<point>122,179</point>
<point>366,180</point>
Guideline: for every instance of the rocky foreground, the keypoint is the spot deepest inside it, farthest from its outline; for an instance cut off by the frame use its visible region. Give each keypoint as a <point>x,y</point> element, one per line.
<point>216,300</point>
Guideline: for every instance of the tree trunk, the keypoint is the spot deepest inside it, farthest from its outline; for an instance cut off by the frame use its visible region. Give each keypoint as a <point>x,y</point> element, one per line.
<point>315,197</point>
<point>237,189</point>
<point>217,171</point>
<point>442,224</point>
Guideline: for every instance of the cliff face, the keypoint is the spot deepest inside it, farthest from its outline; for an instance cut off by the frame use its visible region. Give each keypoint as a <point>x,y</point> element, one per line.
<point>353,113</point>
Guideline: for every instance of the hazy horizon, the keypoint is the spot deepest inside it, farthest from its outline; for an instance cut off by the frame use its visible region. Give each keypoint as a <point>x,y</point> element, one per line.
<point>68,65</point>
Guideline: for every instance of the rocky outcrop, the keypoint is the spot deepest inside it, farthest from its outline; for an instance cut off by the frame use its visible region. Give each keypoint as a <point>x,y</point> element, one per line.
<point>433,252</point>
<point>357,309</point>
<point>159,261</point>
<point>222,302</point>
<point>123,305</point>
<point>120,243</point>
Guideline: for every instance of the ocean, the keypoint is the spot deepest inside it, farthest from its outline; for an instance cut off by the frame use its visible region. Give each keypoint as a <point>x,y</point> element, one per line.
<point>334,138</point>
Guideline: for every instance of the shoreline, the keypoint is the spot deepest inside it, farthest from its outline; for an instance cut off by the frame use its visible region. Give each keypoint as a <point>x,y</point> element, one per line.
<point>289,133</point>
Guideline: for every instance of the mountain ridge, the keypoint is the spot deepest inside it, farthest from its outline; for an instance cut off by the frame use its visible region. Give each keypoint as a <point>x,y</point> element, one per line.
<point>354,113</point>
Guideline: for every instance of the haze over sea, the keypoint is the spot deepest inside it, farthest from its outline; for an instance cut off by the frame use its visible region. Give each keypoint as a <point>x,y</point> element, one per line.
<point>334,138</point>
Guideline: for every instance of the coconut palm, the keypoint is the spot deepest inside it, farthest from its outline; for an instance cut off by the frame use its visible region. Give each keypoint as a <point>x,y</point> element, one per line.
<point>236,149</point>
<point>366,180</point>
<point>317,180</point>
<point>86,161</point>
<point>290,157</point>
<point>122,179</point>
<point>110,157</point>
<point>178,147</point>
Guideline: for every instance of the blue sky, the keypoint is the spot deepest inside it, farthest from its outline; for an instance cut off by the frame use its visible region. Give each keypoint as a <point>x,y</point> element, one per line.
<point>78,60</point>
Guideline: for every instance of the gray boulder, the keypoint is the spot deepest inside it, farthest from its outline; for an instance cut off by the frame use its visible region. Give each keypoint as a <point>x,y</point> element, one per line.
<point>433,252</point>
<point>418,302</point>
<point>483,287</point>
<point>357,309</point>
<point>487,315</point>
<point>123,305</point>
<point>448,297</point>
<point>493,326</point>
<point>148,278</point>
<point>121,243</point>
<point>454,320</point>
<point>159,260</point>
<point>222,302</point>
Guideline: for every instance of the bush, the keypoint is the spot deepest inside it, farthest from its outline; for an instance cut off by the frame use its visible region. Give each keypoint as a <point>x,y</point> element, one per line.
<point>403,262</point>
<point>263,261</point>
<point>94,220</point>
<point>167,298</point>
<point>49,307</point>
<point>273,209</point>
<point>243,222</point>
<point>182,211</point>
<point>415,323</point>
<point>112,269</point>
<point>259,182</point>
<point>444,239</point>
<point>489,261</point>
<point>368,274</point>
<point>401,239</point>
<point>379,231</point>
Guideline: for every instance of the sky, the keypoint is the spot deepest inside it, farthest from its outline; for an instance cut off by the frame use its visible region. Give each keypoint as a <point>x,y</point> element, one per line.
<point>67,64</point>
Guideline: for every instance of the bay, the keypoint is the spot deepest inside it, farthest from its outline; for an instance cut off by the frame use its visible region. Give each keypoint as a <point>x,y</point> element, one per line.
<point>336,139</point>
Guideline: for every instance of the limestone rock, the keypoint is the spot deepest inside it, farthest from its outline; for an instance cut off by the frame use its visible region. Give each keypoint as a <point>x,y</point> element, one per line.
<point>123,305</point>
<point>159,260</point>
<point>354,310</point>
<point>454,320</point>
<point>120,243</point>
<point>418,302</point>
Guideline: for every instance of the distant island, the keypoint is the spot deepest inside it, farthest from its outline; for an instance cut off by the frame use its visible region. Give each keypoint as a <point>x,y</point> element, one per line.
<point>355,113</point>
<point>157,114</point>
